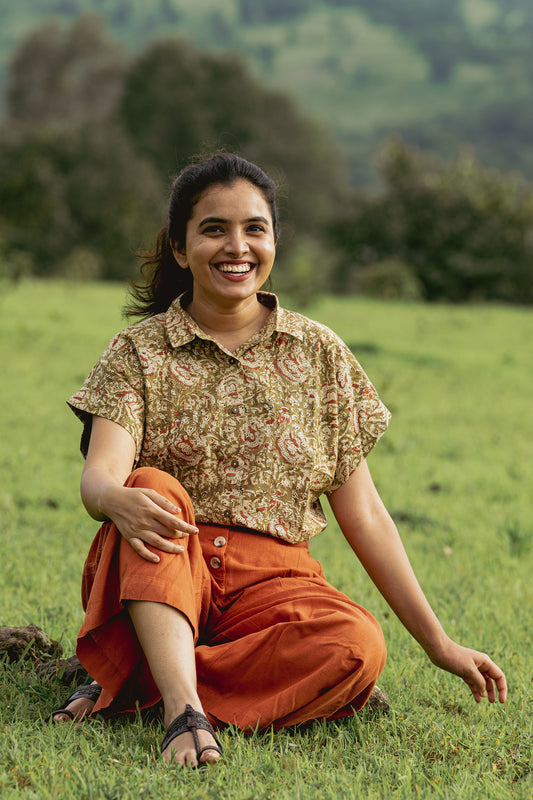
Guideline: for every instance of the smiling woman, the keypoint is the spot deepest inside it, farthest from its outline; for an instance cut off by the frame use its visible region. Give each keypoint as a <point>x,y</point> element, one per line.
<point>229,249</point>
<point>211,430</point>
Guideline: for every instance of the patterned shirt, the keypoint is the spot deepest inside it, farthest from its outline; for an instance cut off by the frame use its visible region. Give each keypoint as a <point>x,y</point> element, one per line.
<point>255,435</point>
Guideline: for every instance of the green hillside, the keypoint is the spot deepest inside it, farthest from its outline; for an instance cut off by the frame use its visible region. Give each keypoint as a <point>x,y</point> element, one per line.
<point>438,73</point>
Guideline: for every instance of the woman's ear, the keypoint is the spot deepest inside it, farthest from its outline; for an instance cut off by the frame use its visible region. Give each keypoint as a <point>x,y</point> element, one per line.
<point>179,255</point>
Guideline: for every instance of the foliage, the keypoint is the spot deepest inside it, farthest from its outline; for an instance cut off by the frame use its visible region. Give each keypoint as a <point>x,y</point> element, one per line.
<point>388,280</point>
<point>436,28</point>
<point>429,70</point>
<point>179,101</point>
<point>88,147</point>
<point>92,135</point>
<point>65,73</point>
<point>455,472</point>
<point>466,232</point>
<point>257,11</point>
<point>63,189</point>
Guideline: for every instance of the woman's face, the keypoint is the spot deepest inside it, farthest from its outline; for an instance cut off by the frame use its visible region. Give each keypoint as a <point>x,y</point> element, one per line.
<point>230,244</point>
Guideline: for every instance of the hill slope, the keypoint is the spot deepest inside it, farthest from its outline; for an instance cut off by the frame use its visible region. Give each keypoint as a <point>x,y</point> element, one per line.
<point>441,74</point>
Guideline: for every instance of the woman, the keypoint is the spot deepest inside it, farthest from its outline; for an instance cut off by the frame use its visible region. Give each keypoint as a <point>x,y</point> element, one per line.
<point>211,429</point>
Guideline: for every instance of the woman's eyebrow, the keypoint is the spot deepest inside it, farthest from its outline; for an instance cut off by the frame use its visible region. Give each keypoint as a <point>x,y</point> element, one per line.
<point>208,220</point>
<point>221,220</point>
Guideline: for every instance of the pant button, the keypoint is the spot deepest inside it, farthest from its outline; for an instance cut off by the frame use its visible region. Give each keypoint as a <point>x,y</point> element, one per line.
<point>219,541</point>
<point>215,562</point>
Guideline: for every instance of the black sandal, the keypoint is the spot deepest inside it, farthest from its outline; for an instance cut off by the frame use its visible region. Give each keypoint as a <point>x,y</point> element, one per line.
<point>91,692</point>
<point>192,721</point>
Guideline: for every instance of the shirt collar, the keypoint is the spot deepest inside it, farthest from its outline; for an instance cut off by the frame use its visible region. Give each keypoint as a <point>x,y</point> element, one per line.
<point>181,327</point>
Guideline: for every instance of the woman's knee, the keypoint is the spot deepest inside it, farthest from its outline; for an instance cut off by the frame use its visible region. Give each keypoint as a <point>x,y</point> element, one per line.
<point>363,643</point>
<point>163,483</point>
<point>148,477</point>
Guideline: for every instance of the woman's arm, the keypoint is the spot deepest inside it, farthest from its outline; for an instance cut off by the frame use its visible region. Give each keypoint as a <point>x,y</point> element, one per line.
<point>141,515</point>
<point>374,538</point>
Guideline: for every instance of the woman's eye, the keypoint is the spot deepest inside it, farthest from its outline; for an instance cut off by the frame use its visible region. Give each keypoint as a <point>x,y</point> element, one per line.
<point>255,228</point>
<point>213,229</point>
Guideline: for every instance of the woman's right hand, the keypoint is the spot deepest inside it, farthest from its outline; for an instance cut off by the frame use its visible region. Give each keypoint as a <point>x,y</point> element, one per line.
<point>144,517</point>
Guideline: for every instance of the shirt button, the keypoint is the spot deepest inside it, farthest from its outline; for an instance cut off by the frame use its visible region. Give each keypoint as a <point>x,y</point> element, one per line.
<point>235,409</point>
<point>219,541</point>
<point>215,562</point>
<point>234,463</point>
<point>233,361</point>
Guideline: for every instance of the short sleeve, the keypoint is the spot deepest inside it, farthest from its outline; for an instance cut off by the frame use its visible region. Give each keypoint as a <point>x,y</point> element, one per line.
<point>360,416</point>
<point>114,390</point>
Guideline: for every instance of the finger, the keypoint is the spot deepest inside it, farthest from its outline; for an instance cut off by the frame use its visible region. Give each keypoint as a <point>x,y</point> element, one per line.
<point>162,502</point>
<point>149,525</point>
<point>475,691</point>
<point>180,529</point>
<point>493,674</point>
<point>489,684</point>
<point>165,544</point>
<point>167,514</point>
<point>143,551</point>
<point>501,684</point>
<point>158,543</point>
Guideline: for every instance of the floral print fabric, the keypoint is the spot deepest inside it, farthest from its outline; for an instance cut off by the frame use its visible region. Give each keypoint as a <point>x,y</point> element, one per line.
<point>255,436</point>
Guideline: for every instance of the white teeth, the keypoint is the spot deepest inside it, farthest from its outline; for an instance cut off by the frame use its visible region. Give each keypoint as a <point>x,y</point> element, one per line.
<point>235,268</point>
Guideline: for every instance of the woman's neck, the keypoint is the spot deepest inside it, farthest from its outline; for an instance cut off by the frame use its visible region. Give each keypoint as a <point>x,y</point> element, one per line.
<point>231,326</point>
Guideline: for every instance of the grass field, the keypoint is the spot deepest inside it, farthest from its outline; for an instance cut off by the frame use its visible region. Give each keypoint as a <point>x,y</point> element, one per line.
<point>455,470</point>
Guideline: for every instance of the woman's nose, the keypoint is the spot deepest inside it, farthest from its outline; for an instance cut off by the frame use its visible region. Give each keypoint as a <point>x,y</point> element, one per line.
<point>236,243</point>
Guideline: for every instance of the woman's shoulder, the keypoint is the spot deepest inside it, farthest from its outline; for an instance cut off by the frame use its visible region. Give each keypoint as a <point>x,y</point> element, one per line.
<point>148,332</point>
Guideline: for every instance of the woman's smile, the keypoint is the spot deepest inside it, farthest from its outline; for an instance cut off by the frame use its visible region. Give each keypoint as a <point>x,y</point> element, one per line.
<point>235,269</point>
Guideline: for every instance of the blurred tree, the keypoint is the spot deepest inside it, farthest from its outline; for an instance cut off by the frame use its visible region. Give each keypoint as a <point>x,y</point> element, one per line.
<point>66,189</point>
<point>63,73</point>
<point>85,164</point>
<point>465,231</point>
<point>253,12</point>
<point>500,133</point>
<point>179,101</point>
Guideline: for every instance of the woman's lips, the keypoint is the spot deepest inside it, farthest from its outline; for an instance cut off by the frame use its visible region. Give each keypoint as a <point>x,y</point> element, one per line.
<point>231,268</point>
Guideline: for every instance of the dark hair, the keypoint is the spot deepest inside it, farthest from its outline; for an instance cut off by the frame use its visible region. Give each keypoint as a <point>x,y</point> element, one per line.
<point>164,280</point>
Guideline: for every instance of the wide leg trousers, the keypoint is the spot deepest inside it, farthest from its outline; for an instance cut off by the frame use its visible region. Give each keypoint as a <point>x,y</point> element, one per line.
<point>276,645</point>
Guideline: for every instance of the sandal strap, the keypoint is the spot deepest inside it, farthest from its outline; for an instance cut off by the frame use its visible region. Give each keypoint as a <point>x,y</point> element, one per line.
<point>90,692</point>
<point>191,721</point>
<point>61,711</point>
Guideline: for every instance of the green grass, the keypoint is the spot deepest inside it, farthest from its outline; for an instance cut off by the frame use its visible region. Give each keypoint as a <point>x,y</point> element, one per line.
<point>455,469</point>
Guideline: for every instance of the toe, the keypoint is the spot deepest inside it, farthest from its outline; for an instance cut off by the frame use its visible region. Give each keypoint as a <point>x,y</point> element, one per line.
<point>210,757</point>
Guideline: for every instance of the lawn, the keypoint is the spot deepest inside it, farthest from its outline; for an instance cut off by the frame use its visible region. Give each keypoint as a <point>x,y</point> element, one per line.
<point>454,469</point>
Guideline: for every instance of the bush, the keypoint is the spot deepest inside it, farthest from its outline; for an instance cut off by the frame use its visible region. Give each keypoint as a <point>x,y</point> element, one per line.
<point>465,231</point>
<point>388,280</point>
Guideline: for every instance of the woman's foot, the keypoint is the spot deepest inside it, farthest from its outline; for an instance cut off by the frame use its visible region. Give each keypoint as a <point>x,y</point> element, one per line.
<point>181,748</point>
<point>79,705</point>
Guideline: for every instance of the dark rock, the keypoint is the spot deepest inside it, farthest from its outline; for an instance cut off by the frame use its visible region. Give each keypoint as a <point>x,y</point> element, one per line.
<point>378,702</point>
<point>65,670</point>
<point>28,642</point>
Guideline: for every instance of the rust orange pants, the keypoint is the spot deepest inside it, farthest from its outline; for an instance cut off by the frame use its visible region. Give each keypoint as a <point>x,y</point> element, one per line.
<point>275,643</point>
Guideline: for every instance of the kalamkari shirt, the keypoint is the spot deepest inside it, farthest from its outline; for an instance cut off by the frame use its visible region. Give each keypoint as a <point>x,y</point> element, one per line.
<point>255,436</point>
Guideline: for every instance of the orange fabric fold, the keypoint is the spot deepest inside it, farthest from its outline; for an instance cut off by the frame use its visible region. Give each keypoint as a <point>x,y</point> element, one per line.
<point>276,644</point>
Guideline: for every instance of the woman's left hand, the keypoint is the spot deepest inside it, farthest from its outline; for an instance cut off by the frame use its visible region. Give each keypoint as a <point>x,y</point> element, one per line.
<point>483,677</point>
